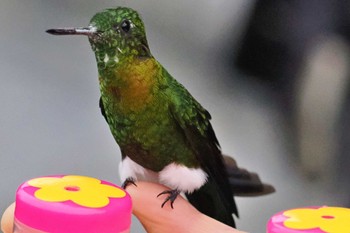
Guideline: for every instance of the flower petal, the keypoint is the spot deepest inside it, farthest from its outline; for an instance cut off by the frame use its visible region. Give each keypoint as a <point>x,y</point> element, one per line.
<point>302,219</point>
<point>84,191</point>
<point>340,221</point>
<point>43,181</point>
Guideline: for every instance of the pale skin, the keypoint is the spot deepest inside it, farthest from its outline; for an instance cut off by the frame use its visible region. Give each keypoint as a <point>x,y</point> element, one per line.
<point>146,207</point>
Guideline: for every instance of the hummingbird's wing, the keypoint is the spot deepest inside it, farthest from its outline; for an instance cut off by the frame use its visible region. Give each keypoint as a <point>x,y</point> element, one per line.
<point>194,122</point>
<point>102,108</point>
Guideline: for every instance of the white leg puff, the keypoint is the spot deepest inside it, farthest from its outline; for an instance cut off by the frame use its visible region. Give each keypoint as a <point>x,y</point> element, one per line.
<point>128,168</point>
<point>180,177</point>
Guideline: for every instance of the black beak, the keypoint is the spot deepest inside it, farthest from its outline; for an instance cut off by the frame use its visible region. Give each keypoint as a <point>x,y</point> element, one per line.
<point>87,31</point>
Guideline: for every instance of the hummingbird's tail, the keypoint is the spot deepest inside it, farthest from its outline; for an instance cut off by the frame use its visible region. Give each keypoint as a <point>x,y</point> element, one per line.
<point>210,200</point>
<point>244,183</point>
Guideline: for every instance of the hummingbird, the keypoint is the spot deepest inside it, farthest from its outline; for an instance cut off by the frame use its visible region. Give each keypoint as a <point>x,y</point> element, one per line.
<point>163,132</point>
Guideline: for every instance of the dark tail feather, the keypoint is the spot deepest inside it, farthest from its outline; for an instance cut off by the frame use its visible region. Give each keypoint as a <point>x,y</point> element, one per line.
<point>245,183</point>
<point>210,201</point>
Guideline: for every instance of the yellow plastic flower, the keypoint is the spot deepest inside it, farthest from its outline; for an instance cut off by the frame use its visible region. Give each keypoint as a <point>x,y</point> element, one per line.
<point>327,219</point>
<point>84,191</point>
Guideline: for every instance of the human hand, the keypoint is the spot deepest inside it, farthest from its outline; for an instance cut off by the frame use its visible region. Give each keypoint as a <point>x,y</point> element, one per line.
<point>146,207</point>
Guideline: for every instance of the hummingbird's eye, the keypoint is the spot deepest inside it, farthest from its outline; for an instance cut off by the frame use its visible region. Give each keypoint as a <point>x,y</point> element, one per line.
<point>125,25</point>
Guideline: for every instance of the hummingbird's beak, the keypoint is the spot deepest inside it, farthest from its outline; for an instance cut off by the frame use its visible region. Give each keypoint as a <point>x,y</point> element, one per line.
<point>87,31</point>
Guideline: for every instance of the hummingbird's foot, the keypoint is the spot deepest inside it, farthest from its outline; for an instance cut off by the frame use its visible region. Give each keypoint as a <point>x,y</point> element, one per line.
<point>172,195</point>
<point>128,182</point>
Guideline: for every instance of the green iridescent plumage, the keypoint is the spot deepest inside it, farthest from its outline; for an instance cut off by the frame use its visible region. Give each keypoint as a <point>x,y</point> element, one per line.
<point>143,104</point>
<point>164,134</point>
<point>154,119</point>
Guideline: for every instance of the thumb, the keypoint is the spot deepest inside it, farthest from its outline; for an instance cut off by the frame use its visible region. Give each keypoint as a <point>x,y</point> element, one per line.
<point>7,219</point>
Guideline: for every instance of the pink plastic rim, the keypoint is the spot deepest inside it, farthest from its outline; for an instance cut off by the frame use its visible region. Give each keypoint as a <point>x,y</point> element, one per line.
<point>68,217</point>
<point>276,222</point>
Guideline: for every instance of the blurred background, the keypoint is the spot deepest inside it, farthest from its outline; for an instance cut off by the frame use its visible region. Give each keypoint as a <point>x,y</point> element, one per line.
<point>273,74</point>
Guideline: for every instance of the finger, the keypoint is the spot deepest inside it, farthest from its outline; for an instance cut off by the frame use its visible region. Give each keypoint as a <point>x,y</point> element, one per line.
<point>7,219</point>
<point>183,218</point>
<point>147,208</point>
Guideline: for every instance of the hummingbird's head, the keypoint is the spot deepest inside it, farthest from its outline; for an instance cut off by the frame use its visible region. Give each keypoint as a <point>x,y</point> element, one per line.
<point>116,33</point>
<point>120,29</point>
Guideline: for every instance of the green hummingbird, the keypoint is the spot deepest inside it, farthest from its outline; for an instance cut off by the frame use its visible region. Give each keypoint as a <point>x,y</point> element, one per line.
<point>164,134</point>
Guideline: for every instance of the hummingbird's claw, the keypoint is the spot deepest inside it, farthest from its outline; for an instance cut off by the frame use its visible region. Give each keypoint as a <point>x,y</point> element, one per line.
<point>172,195</point>
<point>128,182</point>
